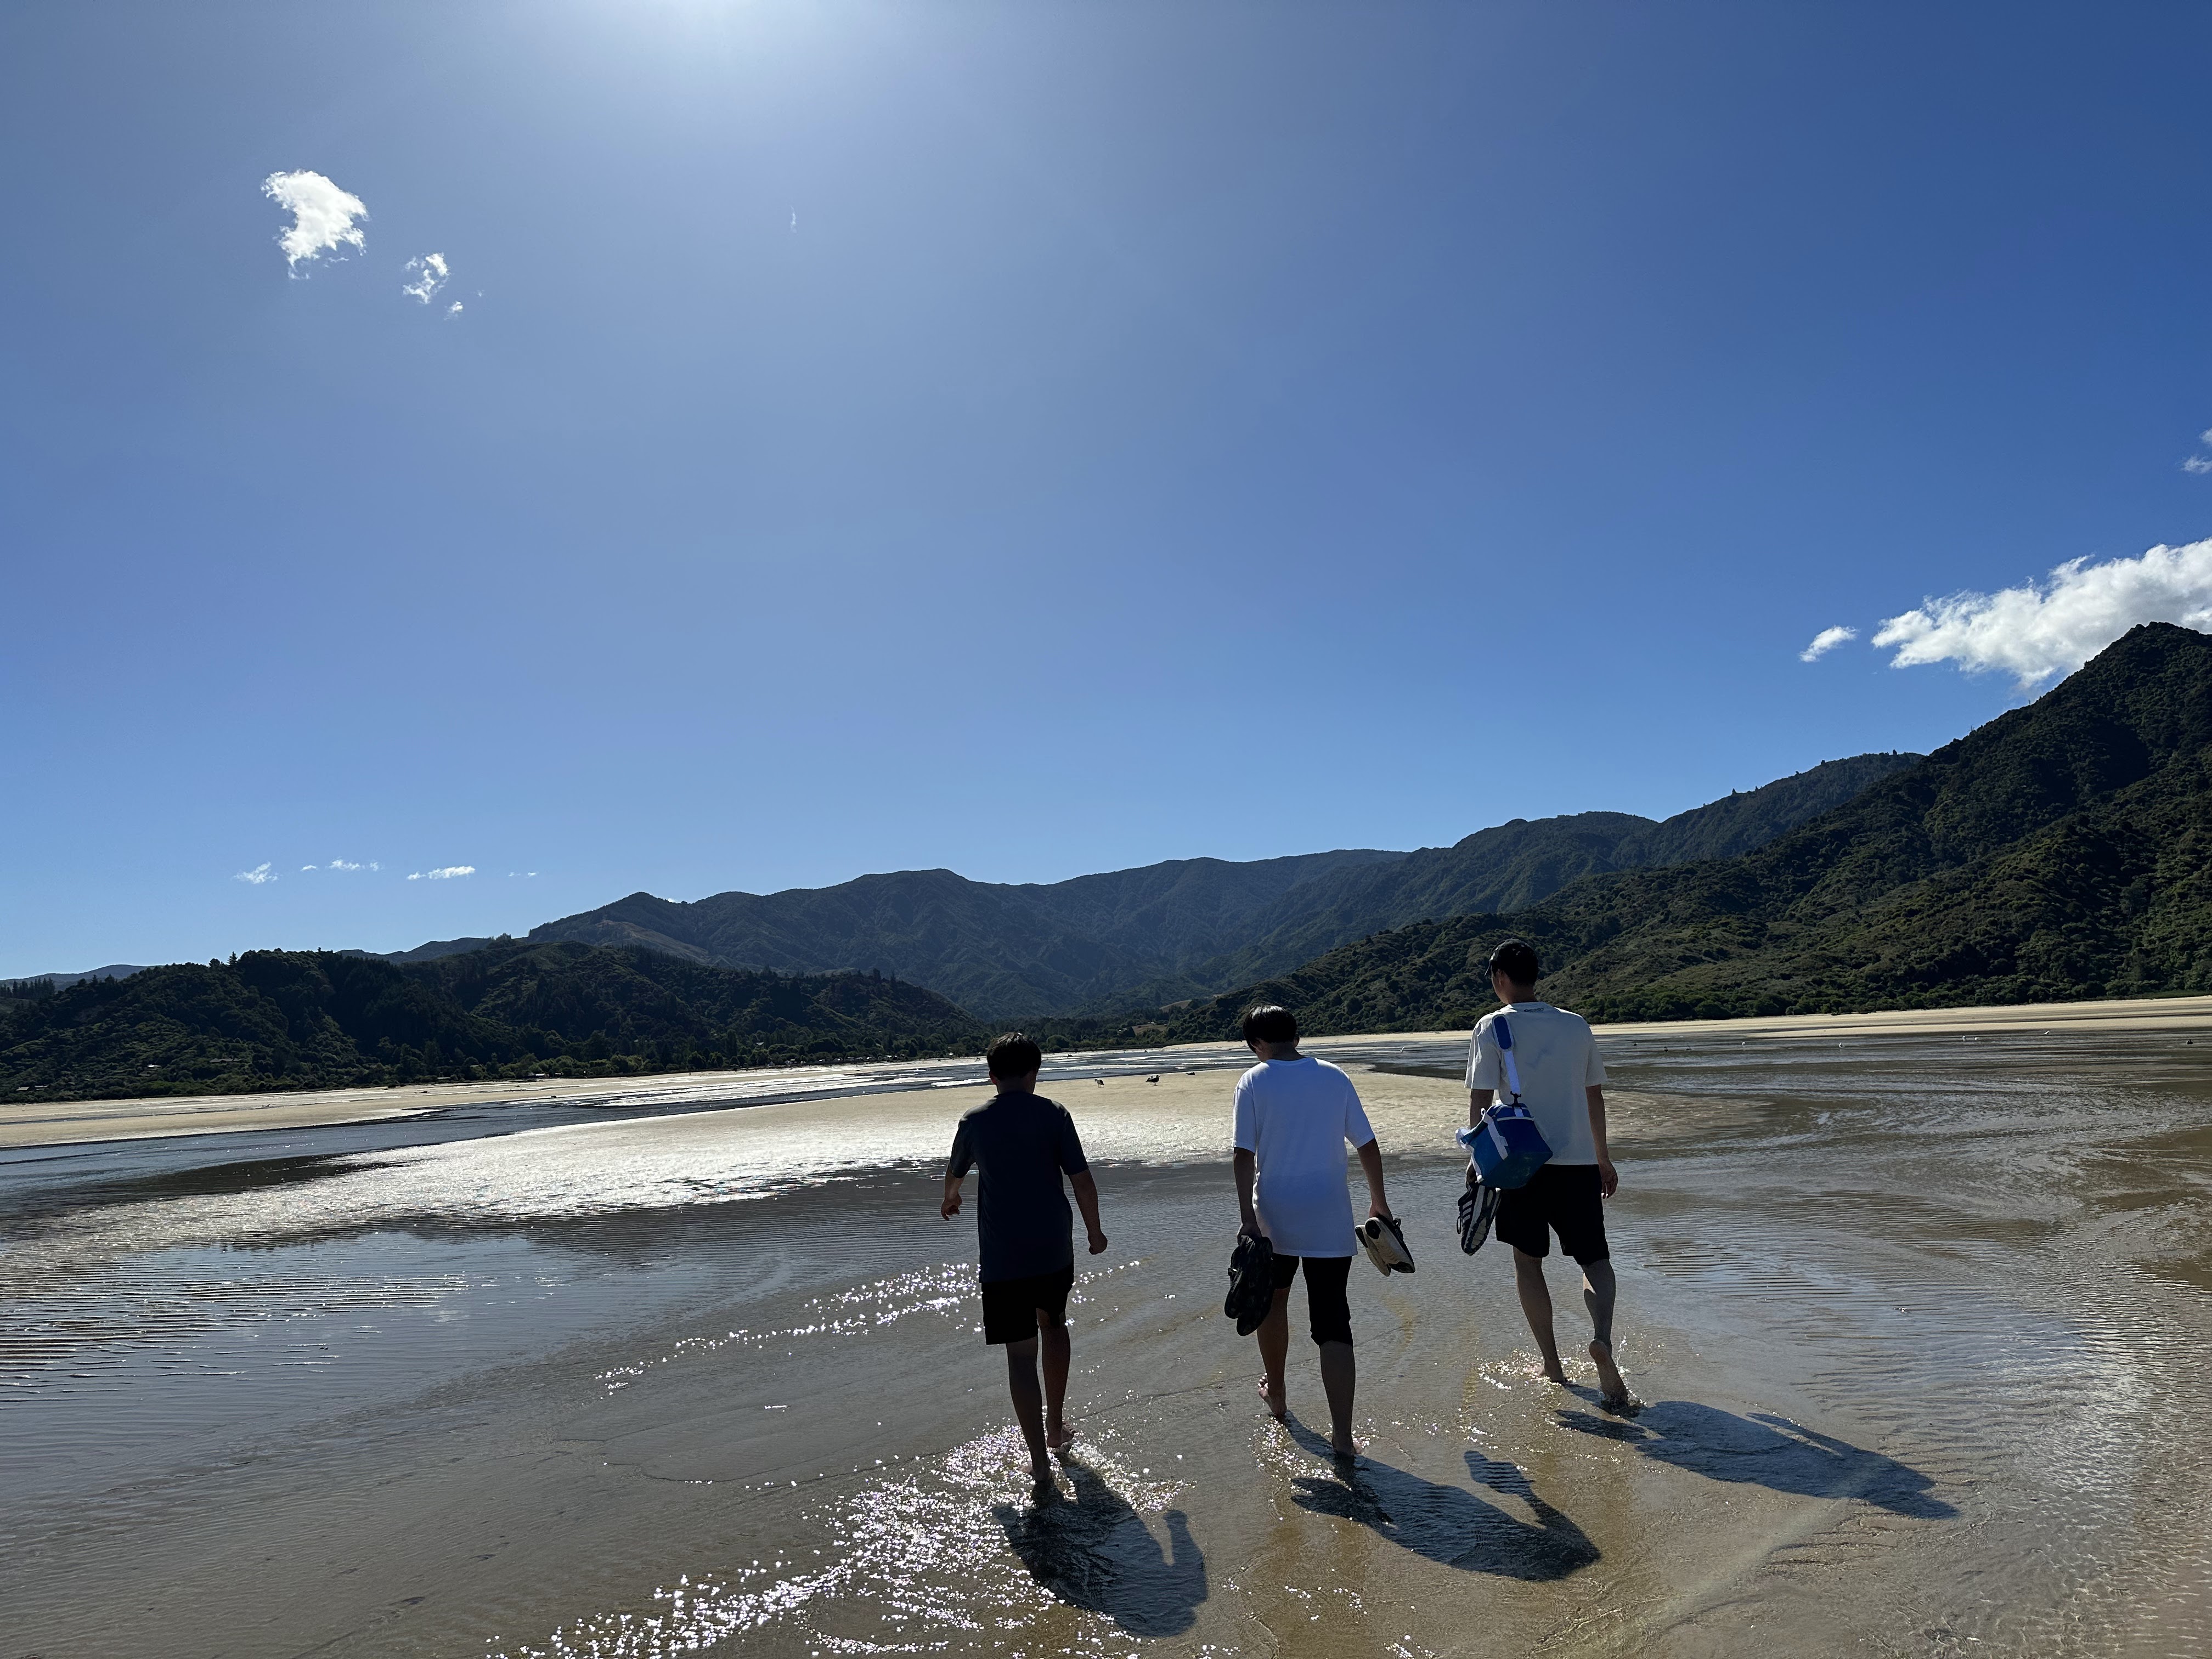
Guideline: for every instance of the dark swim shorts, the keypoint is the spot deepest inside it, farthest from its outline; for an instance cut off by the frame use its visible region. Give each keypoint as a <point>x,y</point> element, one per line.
<point>1011,1306</point>
<point>1561,1198</point>
<point>1328,1310</point>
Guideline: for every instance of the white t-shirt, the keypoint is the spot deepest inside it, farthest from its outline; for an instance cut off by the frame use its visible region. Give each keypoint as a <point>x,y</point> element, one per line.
<point>1295,1117</point>
<point>1557,1058</point>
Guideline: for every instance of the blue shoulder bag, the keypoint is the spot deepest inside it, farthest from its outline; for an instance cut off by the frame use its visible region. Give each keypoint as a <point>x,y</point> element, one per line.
<point>1507,1146</point>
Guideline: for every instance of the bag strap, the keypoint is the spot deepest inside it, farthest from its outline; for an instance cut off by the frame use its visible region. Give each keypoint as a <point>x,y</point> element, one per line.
<point>1504,1036</point>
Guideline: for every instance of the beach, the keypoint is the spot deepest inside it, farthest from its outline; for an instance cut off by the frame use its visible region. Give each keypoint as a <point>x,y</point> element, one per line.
<point>1913,1307</point>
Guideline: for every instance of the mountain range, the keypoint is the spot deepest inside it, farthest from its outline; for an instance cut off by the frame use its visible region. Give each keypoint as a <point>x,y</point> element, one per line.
<point>2058,852</point>
<point>308,1019</point>
<point>1186,928</point>
<point>2061,851</point>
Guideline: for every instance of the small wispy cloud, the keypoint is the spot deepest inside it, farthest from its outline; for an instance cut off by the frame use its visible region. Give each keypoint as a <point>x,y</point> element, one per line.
<point>1825,641</point>
<point>2036,630</point>
<point>524,874</point>
<point>344,864</point>
<point>430,275</point>
<point>450,872</point>
<point>2200,463</point>
<point>259,876</point>
<point>454,309</point>
<point>322,216</point>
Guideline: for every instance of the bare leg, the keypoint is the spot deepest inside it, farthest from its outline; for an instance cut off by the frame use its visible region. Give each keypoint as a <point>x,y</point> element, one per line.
<point>1052,1345</point>
<point>1338,1373</point>
<point>1536,1303</point>
<point>1597,1296</point>
<point>1274,1334</point>
<point>1028,1402</point>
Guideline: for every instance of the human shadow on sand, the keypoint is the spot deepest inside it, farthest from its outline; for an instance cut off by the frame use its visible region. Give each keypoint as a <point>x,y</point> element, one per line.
<point>1094,1551</point>
<point>1765,1450</point>
<point>1447,1524</point>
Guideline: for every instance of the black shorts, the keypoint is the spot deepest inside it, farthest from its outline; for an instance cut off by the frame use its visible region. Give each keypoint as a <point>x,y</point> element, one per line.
<point>1561,1198</point>
<point>1011,1306</point>
<point>1327,1309</point>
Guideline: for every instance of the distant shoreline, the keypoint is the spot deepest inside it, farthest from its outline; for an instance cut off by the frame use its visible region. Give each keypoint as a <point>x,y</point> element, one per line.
<point>56,1123</point>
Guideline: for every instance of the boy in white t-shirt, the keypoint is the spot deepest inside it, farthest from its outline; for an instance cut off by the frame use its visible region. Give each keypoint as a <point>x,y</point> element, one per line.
<point>1563,1086</point>
<point>1295,1115</point>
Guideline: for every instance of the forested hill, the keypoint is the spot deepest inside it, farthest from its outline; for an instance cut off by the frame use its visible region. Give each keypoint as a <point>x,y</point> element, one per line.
<point>1006,950</point>
<point>1516,865</point>
<point>2063,851</point>
<point>1185,928</point>
<point>281,1020</point>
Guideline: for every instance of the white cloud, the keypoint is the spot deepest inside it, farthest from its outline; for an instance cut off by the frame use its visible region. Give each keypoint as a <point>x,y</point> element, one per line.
<point>2034,632</point>
<point>259,876</point>
<point>341,864</point>
<point>2200,463</point>
<point>429,273</point>
<point>322,216</point>
<point>447,874</point>
<point>454,309</point>
<point>525,874</point>
<point>1825,641</point>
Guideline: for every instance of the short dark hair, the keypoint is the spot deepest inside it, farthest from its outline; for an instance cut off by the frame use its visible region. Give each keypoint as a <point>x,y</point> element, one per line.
<point>1270,1023</point>
<point>1517,960</point>
<point>1013,1055</point>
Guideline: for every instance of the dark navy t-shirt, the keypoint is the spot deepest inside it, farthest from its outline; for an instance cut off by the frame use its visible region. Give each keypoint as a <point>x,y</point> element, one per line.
<point>1023,1143</point>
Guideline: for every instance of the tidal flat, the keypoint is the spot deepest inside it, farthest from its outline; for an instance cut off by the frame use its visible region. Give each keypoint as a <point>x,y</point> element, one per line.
<point>1916,1318</point>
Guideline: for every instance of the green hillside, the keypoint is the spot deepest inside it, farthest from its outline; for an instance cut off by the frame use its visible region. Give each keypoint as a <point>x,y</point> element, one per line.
<point>279,1019</point>
<point>1519,864</point>
<point>2057,853</point>
<point>1186,927</point>
<point>1014,951</point>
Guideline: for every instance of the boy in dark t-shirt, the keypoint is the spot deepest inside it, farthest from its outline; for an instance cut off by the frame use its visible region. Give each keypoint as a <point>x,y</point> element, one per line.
<point>1024,1143</point>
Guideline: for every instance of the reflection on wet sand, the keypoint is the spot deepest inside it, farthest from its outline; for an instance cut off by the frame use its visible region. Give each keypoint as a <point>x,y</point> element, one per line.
<point>1924,1357</point>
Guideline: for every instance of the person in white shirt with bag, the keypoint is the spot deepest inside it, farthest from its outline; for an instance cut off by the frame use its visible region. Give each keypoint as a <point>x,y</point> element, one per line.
<point>1562,1083</point>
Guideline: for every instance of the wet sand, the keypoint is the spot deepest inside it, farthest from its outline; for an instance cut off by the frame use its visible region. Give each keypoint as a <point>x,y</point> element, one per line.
<point>65,1122</point>
<point>1914,1322</point>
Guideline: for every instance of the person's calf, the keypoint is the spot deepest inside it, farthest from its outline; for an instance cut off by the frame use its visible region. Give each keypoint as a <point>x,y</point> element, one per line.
<point>1028,1402</point>
<point>1055,1351</point>
<point>1536,1308</point>
<point>1598,1289</point>
<point>1339,1380</point>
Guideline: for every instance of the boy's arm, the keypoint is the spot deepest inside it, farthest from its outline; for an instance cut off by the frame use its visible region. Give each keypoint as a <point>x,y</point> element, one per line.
<point>1371,1164</point>
<point>1608,1180</point>
<point>951,1207</point>
<point>1247,1172</point>
<point>1087,1199</point>
<point>1477,1103</point>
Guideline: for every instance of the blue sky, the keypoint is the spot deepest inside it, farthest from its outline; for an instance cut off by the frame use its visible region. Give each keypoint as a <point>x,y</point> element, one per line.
<point>1036,438</point>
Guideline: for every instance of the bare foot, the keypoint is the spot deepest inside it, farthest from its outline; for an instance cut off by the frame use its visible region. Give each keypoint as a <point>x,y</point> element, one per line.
<point>1344,1451</point>
<point>1608,1375</point>
<point>1057,1437</point>
<point>1277,1406</point>
<point>1557,1373</point>
<point>1041,1473</point>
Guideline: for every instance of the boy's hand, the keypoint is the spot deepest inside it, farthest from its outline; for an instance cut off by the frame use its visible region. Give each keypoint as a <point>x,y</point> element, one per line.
<point>1609,1178</point>
<point>1097,1242</point>
<point>951,1207</point>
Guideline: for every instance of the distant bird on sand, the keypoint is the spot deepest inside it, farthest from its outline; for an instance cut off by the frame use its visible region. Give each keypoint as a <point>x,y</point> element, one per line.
<point>1154,1078</point>
<point>1100,1081</point>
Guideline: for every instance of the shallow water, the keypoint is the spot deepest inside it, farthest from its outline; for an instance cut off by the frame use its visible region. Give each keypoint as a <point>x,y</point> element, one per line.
<point>1916,1323</point>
